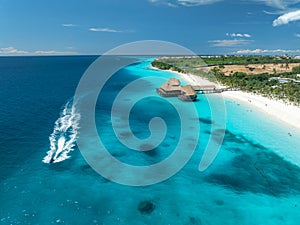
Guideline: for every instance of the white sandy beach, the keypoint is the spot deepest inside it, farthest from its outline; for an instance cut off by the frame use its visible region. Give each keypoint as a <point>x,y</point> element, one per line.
<point>287,113</point>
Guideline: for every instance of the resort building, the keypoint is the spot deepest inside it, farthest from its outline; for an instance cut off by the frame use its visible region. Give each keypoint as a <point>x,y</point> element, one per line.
<point>172,88</point>
<point>187,93</point>
<point>284,80</point>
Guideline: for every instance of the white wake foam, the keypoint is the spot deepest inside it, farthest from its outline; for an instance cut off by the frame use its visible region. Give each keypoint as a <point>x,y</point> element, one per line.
<point>65,132</point>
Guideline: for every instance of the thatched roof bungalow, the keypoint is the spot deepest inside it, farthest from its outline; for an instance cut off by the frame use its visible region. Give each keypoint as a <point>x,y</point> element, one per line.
<point>172,88</point>
<point>188,93</point>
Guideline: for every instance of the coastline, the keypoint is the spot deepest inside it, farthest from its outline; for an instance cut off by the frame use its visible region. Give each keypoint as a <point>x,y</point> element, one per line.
<point>284,112</point>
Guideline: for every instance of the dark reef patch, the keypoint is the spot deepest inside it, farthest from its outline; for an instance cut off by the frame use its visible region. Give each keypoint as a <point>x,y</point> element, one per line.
<point>231,139</point>
<point>146,207</point>
<point>205,121</point>
<point>194,220</point>
<point>234,150</point>
<point>255,168</point>
<point>87,169</point>
<point>219,202</point>
<point>144,148</point>
<point>263,172</point>
<point>118,154</point>
<point>166,145</point>
<point>124,135</point>
<point>151,153</point>
<point>207,132</point>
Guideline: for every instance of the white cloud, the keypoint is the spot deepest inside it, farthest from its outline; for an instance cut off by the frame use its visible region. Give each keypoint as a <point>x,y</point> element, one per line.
<point>7,51</point>
<point>11,51</point>
<point>287,18</point>
<point>53,52</point>
<point>174,3</point>
<point>229,43</point>
<point>267,51</point>
<point>271,13</point>
<point>196,2</point>
<point>297,35</point>
<point>104,30</point>
<point>238,35</point>
<point>69,25</point>
<point>273,3</point>
<point>171,5</point>
<point>280,4</point>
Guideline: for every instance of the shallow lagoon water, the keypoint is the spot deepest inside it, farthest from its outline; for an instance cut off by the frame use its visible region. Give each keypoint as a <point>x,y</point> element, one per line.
<point>255,178</point>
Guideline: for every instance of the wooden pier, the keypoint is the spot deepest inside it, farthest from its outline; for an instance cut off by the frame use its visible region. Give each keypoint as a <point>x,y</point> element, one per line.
<point>210,89</point>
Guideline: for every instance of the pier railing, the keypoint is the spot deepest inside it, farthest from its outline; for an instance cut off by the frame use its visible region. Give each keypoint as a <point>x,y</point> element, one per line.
<point>213,89</point>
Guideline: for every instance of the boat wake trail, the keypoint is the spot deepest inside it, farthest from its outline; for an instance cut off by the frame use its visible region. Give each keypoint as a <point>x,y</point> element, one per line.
<point>65,132</point>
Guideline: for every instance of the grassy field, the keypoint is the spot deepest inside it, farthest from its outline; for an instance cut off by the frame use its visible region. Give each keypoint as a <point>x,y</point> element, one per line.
<point>249,69</point>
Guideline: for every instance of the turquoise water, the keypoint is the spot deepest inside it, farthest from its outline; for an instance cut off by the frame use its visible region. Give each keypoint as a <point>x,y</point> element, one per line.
<point>255,178</point>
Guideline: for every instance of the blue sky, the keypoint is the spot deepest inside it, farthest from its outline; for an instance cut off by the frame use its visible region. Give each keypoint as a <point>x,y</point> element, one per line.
<point>40,27</point>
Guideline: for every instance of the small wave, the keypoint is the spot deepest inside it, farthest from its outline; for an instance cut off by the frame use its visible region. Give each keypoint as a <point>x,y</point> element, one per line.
<point>65,132</point>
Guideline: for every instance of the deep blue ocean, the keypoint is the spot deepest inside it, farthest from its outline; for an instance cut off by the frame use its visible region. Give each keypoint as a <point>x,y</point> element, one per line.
<point>255,178</point>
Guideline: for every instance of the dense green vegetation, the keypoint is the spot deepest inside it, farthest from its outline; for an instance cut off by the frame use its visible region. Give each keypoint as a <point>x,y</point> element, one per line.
<point>183,65</point>
<point>262,84</point>
<point>183,62</point>
<point>269,85</point>
<point>243,60</point>
<point>296,70</point>
<point>166,66</point>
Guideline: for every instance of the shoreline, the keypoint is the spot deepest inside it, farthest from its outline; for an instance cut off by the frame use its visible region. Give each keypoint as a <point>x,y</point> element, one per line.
<point>287,113</point>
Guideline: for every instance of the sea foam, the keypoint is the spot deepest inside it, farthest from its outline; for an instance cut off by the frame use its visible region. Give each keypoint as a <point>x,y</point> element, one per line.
<point>64,135</point>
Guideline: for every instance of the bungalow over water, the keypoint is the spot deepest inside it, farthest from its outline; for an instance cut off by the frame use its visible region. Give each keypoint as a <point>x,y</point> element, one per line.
<point>172,88</point>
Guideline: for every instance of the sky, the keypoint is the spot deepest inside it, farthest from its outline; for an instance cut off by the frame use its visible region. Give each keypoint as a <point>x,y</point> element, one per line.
<point>66,27</point>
